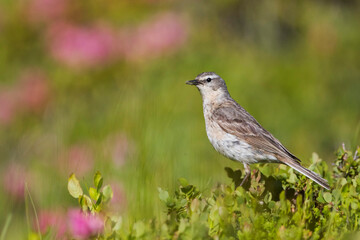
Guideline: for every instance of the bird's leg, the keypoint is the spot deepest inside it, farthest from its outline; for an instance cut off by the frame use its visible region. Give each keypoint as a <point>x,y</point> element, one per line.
<point>247,174</point>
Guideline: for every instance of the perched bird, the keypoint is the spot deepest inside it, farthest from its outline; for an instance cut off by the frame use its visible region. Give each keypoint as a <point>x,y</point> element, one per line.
<point>236,134</point>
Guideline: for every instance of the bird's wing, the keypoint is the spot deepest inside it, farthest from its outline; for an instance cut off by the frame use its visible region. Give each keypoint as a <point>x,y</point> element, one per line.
<point>234,119</point>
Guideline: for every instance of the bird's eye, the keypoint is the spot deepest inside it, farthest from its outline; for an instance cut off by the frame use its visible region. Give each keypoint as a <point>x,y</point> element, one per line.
<point>208,79</point>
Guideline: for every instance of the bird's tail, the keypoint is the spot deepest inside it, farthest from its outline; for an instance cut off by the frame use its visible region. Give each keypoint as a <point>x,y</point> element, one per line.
<point>308,173</point>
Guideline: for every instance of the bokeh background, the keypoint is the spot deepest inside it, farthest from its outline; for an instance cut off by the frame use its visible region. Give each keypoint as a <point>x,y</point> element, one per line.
<point>100,85</point>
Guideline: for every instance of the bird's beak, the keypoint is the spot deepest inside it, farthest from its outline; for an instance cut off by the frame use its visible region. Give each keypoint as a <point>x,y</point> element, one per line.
<point>193,82</point>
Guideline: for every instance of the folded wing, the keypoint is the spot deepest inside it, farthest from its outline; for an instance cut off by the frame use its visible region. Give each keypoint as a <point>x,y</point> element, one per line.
<point>234,119</point>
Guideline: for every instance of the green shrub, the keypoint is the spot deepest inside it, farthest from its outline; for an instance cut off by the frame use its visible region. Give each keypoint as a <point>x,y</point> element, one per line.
<point>276,204</point>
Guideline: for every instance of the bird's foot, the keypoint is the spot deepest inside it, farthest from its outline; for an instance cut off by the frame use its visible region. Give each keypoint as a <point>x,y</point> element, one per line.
<point>247,175</point>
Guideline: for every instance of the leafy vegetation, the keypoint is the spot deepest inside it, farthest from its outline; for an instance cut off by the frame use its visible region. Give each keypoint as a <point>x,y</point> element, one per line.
<point>96,197</point>
<point>276,204</point>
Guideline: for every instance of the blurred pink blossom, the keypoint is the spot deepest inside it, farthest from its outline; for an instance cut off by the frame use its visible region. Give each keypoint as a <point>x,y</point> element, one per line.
<point>56,220</point>
<point>33,91</point>
<point>82,47</point>
<point>8,106</point>
<point>165,33</point>
<point>83,226</point>
<point>46,10</point>
<point>14,177</point>
<point>118,147</point>
<point>79,159</point>
<point>118,201</point>
<point>29,94</point>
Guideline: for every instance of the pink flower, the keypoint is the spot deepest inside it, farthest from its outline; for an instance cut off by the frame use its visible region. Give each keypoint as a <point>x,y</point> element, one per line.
<point>33,91</point>
<point>82,47</point>
<point>165,33</point>
<point>79,159</point>
<point>118,201</point>
<point>118,148</point>
<point>83,225</point>
<point>54,220</point>
<point>30,93</point>
<point>14,178</point>
<point>46,10</point>
<point>8,106</point>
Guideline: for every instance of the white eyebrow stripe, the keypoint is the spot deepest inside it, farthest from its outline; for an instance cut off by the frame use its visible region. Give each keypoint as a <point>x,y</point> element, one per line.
<point>208,76</point>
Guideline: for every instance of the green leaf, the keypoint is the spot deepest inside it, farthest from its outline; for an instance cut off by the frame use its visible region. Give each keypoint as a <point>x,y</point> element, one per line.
<point>292,176</point>
<point>336,194</point>
<point>85,203</point>
<point>183,182</point>
<point>320,198</point>
<point>98,201</point>
<point>354,204</point>
<point>163,195</point>
<point>327,197</point>
<point>74,187</point>
<point>315,158</point>
<point>343,181</point>
<point>182,225</point>
<point>117,220</point>
<point>139,228</point>
<point>266,170</point>
<point>93,193</point>
<point>107,193</point>
<point>194,205</point>
<point>268,197</point>
<point>356,180</point>
<point>229,201</point>
<point>271,204</point>
<point>98,180</point>
<point>223,213</point>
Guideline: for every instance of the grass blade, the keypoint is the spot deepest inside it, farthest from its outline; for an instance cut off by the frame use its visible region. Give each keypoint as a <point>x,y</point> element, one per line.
<point>6,226</point>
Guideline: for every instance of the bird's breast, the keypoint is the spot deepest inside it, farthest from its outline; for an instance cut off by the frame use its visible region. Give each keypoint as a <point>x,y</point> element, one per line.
<point>230,145</point>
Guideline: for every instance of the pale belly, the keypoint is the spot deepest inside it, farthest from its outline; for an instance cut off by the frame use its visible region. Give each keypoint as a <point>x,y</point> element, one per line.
<point>233,148</point>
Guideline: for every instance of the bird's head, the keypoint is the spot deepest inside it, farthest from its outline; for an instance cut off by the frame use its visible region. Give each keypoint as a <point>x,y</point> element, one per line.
<point>210,85</point>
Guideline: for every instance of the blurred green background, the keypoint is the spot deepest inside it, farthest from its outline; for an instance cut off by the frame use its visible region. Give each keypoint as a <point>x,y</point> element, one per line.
<point>100,85</point>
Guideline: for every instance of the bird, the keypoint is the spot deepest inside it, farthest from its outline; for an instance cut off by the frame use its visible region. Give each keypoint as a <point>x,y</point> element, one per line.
<point>234,133</point>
